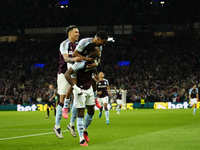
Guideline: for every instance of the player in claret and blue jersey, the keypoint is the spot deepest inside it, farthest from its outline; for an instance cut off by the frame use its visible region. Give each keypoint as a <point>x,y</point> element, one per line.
<point>194,96</point>
<point>102,90</point>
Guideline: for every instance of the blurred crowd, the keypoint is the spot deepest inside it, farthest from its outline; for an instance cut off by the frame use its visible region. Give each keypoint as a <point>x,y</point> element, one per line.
<point>160,70</point>
<point>47,13</point>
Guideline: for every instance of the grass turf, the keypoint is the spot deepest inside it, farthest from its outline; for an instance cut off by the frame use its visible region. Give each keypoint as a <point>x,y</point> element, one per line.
<point>141,129</point>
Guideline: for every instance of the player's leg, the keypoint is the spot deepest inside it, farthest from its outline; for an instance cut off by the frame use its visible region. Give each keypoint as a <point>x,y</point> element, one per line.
<point>119,106</point>
<point>48,106</point>
<point>79,103</point>
<point>65,109</point>
<point>106,109</point>
<point>88,119</point>
<point>195,105</point>
<point>70,126</point>
<point>54,106</point>
<point>80,126</point>
<point>57,128</point>
<point>100,109</point>
<point>90,112</point>
<point>62,86</point>
<point>94,86</point>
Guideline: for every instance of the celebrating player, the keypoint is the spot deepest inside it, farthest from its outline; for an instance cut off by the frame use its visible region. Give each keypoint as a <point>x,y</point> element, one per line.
<point>51,101</point>
<point>83,92</point>
<point>67,48</point>
<point>100,39</point>
<point>102,87</point>
<point>119,99</point>
<point>194,96</point>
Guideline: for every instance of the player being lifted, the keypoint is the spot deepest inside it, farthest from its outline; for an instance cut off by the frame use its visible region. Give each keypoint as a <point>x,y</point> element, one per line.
<point>102,90</point>
<point>51,100</point>
<point>67,48</point>
<point>193,97</point>
<point>119,99</point>
<point>100,40</point>
<point>83,92</point>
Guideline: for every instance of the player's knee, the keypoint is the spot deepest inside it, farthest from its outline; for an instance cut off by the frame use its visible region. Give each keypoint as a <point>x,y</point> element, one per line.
<point>90,110</point>
<point>80,112</point>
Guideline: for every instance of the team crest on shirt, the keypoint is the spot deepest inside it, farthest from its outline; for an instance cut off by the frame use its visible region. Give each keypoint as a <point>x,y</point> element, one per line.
<point>81,103</point>
<point>64,90</point>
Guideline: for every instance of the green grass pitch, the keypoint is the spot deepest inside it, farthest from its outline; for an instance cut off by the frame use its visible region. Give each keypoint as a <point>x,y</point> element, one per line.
<point>138,129</point>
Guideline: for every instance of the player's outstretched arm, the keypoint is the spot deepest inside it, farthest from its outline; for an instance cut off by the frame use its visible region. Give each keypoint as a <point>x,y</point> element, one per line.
<point>72,82</point>
<point>77,54</point>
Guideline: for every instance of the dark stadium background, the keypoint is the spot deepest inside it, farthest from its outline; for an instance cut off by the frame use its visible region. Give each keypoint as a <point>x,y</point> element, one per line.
<point>161,42</point>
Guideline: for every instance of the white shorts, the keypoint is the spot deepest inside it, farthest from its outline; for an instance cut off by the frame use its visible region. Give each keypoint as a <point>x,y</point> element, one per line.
<point>87,98</point>
<point>193,101</point>
<point>103,100</point>
<point>74,75</point>
<point>119,102</point>
<point>62,84</point>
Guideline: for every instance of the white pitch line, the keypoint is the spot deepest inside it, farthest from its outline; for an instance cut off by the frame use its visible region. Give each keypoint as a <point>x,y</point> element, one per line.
<point>17,137</point>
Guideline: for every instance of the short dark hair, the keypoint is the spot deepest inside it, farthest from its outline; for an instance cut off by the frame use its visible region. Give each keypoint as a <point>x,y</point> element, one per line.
<point>102,34</point>
<point>70,28</point>
<point>90,47</point>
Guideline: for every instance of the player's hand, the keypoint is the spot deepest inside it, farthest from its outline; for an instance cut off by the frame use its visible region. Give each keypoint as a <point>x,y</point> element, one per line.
<point>91,65</point>
<point>110,94</point>
<point>78,59</point>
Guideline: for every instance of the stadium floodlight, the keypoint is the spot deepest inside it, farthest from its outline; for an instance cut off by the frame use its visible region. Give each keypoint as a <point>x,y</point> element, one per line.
<point>62,7</point>
<point>162,2</point>
<point>66,6</point>
<point>151,2</point>
<point>111,39</point>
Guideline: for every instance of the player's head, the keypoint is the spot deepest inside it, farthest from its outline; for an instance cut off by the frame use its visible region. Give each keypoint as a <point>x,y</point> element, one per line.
<point>93,50</point>
<point>102,38</point>
<point>194,86</point>
<point>50,86</point>
<point>101,75</point>
<point>72,33</point>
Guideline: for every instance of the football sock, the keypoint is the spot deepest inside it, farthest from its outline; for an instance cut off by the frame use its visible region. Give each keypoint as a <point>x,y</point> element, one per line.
<point>88,120</point>
<point>66,103</point>
<point>54,111</point>
<point>107,114</point>
<point>80,127</point>
<point>73,115</point>
<point>95,95</point>
<point>119,109</point>
<point>194,110</point>
<point>59,113</point>
<point>47,111</point>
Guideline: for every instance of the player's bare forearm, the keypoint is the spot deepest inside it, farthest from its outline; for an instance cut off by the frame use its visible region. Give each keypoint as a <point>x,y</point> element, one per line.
<point>77,54</point>
<point>68,74</point>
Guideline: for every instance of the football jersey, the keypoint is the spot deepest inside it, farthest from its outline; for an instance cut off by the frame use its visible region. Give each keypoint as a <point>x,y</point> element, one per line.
<point>102,86</point>
<point>193,92</point>
<point>66,47</point>
<point>84,75</point>
<point>51,93</point>
<point>119,95</point>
